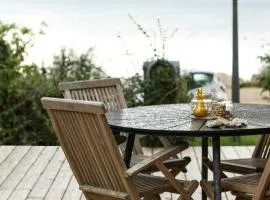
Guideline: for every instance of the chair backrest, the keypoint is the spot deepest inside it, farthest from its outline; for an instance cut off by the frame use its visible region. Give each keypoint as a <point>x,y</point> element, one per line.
<point>264,183</point>
<point>87,141</point>
<point>262,148</point>
<point>107,91</point>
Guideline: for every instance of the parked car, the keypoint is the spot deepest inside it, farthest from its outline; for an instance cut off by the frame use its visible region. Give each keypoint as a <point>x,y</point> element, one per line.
<point>210,83</point>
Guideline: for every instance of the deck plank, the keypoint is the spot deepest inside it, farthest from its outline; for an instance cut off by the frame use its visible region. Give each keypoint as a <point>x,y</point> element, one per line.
<point>72,192</point>
<point>42,173</point>
<point>35,171</point>
<point>193,170</point>
<point>229,152</point>
<point>37,168</point>
<point>19,194</point>
<point>14,178</point>
<point>4,152</point>
<point>251,148</point>
<point>46,179</point>
<point>12,161</point>
<point>59,186</point>
<point>242,151</point>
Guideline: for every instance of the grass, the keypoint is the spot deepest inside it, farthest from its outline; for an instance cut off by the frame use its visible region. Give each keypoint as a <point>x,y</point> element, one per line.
<point>228,141</point>
<point>150,141</point>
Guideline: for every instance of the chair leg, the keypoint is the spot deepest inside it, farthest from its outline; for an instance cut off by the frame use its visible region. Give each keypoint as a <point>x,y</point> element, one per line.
<point>175,171</point>
<point>185,194</point>
<point>209,165</point>
<point>207,188</point>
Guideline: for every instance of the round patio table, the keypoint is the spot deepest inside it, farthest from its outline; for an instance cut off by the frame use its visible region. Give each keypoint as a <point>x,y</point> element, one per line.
<point>175,120</point>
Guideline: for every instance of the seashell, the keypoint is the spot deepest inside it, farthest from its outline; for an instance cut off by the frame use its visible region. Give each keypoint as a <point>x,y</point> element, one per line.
<point>214,123</point>
<point>236,122</point>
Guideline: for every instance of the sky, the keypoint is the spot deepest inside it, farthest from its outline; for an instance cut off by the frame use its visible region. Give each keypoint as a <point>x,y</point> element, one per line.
<point>203,40</point>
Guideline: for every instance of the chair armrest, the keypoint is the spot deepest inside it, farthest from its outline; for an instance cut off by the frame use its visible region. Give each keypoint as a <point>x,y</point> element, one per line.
<point>103,192</point>
<point>159,156</point>
<point>178,164</point>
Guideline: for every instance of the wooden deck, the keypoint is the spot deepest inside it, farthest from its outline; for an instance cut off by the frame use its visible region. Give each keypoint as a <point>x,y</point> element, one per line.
<point>38,172</point>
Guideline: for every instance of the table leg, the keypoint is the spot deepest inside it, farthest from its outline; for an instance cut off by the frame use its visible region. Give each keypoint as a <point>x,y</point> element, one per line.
<point>204,157</point>
<point>216,167</point>
<point>129,148</point>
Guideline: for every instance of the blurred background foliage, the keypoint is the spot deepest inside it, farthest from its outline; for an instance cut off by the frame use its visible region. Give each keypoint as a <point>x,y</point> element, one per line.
<point>264,77</point>
<point>24,121</point>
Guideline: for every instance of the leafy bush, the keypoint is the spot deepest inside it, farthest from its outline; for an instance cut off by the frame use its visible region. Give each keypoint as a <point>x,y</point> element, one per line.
<point>163,87</point>
<point>264,78</point>
<point>67,66</point>
<point>150,141</point>
<point>22,118</point>
<point>133,89</point>
<point>160,88</point>
<point>248,84</point>
<point>228,141</point>
<point>21,87</point>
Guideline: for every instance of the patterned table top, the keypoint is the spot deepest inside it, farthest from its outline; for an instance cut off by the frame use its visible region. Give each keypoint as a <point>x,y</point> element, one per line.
<point>175,119</point>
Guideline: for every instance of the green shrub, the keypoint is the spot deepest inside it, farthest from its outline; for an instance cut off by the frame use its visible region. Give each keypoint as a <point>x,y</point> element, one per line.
<point>150,141</point>
<point>228,141</point>
<point>22,118</point>
<point>248,84</point>
<point>164,87</point>
<point>264,78</point>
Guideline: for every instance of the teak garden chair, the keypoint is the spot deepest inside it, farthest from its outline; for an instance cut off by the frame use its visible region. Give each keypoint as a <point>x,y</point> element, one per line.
<point>93,155</point>
<point>247,165</point>
<point>253,186</point>
<point>110,93</point>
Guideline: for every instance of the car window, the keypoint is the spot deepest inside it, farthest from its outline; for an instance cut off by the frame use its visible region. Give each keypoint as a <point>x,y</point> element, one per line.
<point>200,79</point>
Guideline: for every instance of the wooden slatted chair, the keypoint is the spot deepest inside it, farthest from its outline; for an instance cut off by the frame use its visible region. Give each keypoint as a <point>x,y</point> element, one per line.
<point>110,93</point>
<point>247,165</point>
<point>92,153</point>
<point>253,186</point>
<point>107,91</point>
